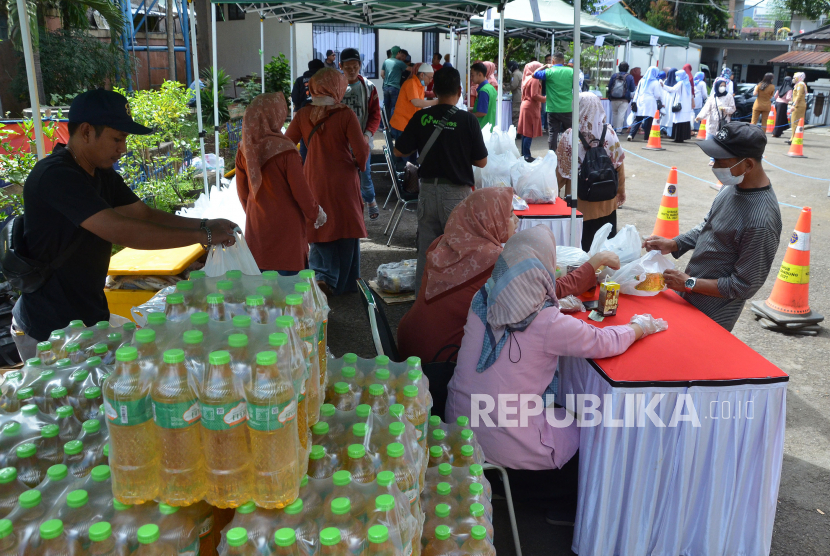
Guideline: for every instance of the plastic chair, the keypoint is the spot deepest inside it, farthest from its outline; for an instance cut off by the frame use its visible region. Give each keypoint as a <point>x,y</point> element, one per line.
<point>382,335</point>
<point>405,200</point>
<point>388,138</point>
<point>509,497</point>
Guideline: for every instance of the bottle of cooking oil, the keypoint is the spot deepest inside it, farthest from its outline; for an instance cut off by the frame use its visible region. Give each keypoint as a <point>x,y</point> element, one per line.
<point>285,540</point>
<point>380,544</point>
<point>360,465</point>
<point>272,424</point>
<point>298,306</point>
<point>406,476</point>
<point>299,373</point>
<point>149,544</point>
<point>103,543</point>
<point>225,439</point>
<point>377,398</point>
<point>8,539</point>
<point>478,544</point>
<point>216,307</point>
<point>45,353</point>
<point>176,412</point>
<point>321,308</point>
<point>416,413</point>
<point>134,454</point>
<point>255,305</point>
<point>175,308</point>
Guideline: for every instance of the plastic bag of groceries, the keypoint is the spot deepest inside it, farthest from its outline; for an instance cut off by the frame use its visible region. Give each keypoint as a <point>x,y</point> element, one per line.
<point>221,203</point>
<point>235,257</point>
<point>397,277</point>
<point>519,203</point>
<point>522,167</point>
<point>643,277</point>
<point>539,184</point>
<point>497,171</point>
<point>571,304</point>
<point>569,256</point>
<point>626,244</point>
<point>502,142</point>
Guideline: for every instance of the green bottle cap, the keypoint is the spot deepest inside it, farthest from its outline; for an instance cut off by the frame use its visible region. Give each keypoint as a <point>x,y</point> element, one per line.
<point>341,506</point>
<point>330,536</point>
<point>376,390</point>
<point>26,450</point>
<point>467,434</point>
<point>255,301</point>
<point>29,499</point>
<point>277,339</point>
<point>114,337</point>
<point>327,410</point>
<point>175,299</point>
<point>285,537</point>
<point>93,392</point>
<point>385,478</point>
<point>382,374</point>
<point>76,324</point>
<point>233,274</point>
<point>167,509</point>
<point>266,358</point>
<point>12,428</point>
<point>462,421</point>
<point>396,428</point>
<point>99,349</point>
<point>87,335</point>
<point>475,470</point>
<point>443,489</point>
<point>397,410</point>
<point>320,427</point>
<point>106,450</point>
<point>6,528</point>
<point>348,372</point>
<point>71,347</point>
<point>173,356</point>
<point>307,274</point>
<point>199,318</point>
<point>146,335</point>
<point>63,363</point>
<point>436,451</point>
<point>242,321</point>
<point>196,275</point>
<point>385,502</point>
<point>339,388</point>
<point>192,337</point>
<point>51,529</point>
<point>93,361</point>
<point>294,299</point>
<point>381,361</point>
<point>341,478</point>
<point>378,533</point>
<point>476,489</point>
<point>363,411</point>
<point>16,375</point>
<point>100,531</point>
<point>394,450</point>
<point>219,358</point>
<point>183,286</point>
<point>101,473</point>
<point>285,321</point>
<point>476,510</point>
<point>50,431</point>
<point>129,326</point>
<point>270,275</point>
<point>120,506</point>
<point>478,532</point>
<point>413,361</point>
<point>442,532</point>
<point>295,507</point>
<point>302,287</point>
<point>237,340</point>
<point>304,481</point>
<point>467,451</point>
<point>91,426</point>
<point>73,447</point>
<point>29,410</point>
<point>215,298</point>
<point>359,430</point>
<point>350,358</point>
<point>265,291</point>
<point>7,475</point>
<point>36,362</point>
<point>356,451</point>
<point>157,319</point>
<point>58,334</point>
<point>445,469</point>
<point>414,375</point>
<point>81,374</point>
<point>102,324</point>
<point>317,452</point>
<point>410,391</point>
<point>438,434</point>
<point>64,411</point>
<point>148,534</point>
<point>44,346</point>
<point>77,499</point>
<point>442,510</point>
<point>434,421</point>
<point>25,393</point>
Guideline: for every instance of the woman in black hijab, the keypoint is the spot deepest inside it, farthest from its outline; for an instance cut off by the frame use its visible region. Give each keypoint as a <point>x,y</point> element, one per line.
<point>782,97</point>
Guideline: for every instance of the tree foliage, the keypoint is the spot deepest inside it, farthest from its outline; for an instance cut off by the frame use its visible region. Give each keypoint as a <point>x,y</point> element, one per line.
<point>278,77</point>
<point>693,20</point>
<point>748,22</point>
<point>661,16</point>
<point>812,9</point>
<point>487,49</point>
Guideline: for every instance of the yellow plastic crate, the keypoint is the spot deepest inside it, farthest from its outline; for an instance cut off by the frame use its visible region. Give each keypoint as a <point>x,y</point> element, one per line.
<point>121,301</point>
<point>161,262</point>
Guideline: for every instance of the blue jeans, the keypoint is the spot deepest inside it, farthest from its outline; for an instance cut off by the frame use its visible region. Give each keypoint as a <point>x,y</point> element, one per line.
<point>696,125</point>
<point>640,121</point>
<point>544,117</point>
<point>367,188</point>
<point>526,141</point>
<point>390,98</point>
<point>303,150</point>
<point>401,162</point>
<point>337,263</point>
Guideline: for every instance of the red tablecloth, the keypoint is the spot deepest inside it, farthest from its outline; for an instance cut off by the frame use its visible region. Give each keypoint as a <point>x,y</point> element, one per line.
<point>556,210</point>
<point>694,349</point>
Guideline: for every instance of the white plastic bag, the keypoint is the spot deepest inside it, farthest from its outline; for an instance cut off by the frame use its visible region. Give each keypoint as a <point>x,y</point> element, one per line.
<point>570,256</point>
<point>210,159</point>
<point>626,244</point>
<point>221,203</point>
<point>497,171</point>
<point>539,184</point>
<point>635,272</point>
<point>519,203</point>
<point>236,257</point>
<point>397,277</point>
<point>571,304</point>
<point>520,168</point>
<point>502,142</point>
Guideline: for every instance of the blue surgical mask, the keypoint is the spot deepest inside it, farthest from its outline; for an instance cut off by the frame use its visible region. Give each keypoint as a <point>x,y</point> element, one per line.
<point>725,176</point>
<point>422,83</point>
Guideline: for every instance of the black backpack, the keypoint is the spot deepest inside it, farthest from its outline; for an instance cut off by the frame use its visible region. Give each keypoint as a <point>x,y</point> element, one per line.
<point>597,179</point>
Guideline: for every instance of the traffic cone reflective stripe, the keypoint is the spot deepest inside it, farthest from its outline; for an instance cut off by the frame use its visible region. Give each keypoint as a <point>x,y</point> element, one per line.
<point>654,143</point>
<point>789,302</point>
<point>797,146</point>
<point>701,132</point>
<point>668,224</point>
<point>771,120</point>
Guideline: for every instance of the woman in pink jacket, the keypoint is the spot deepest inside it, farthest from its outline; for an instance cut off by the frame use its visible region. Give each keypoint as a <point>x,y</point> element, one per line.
<point>514,336</point>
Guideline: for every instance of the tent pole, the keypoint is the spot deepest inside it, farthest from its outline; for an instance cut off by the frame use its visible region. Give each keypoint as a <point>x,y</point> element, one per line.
<point>215,94</point>
<point>575,241</point>
<point>29,58</point>
<point>501,67</point>
<point>469,54</point>
<point>198,85</point>
<point>552,42</point>
<point>262,48</point>
<point>291,51</point>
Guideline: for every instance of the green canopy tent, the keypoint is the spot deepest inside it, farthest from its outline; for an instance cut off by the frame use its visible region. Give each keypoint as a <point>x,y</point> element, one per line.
<point>639,31</point>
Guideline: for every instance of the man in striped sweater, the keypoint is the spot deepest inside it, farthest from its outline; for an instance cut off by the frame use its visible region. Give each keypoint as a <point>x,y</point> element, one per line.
<point>735,245</point>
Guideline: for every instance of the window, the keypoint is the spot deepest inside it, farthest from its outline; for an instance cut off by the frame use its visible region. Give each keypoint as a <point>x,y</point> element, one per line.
<point>4,27</point>
<point>430,39</point>
<point>220,12</point>
<point>235,12</point>
<point>338,37</point>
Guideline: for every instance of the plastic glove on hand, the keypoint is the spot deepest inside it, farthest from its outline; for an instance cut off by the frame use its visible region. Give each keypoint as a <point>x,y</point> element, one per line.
<point>370,140</point>
<point>321,218</point>
<point>649,324</point>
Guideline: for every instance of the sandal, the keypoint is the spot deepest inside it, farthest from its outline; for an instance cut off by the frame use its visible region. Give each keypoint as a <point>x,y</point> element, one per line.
<point>374,211</point>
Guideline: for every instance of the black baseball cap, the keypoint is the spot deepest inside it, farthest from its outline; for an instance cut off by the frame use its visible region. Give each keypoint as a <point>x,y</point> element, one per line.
<point>329,53</point>
<point>102,107</point>
<point>736,140</point>
<point>349,54</point>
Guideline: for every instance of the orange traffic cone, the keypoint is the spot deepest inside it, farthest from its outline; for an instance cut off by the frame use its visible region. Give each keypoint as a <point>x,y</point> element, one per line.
<point>667,224</point>
<point>789,301</point>
<point>701,131</point>
<point>654,135</point>
<point>797,146</point>
<point>771,120</point>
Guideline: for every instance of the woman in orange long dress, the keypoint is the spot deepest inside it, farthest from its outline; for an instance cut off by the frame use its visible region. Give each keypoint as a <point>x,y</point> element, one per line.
<point>336,149</point>
<point>272,188</point>
<point>530,113</point>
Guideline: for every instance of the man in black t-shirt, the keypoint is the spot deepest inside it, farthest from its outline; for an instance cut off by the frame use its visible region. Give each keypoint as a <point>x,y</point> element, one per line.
<point>75,194</point>
<point>447,170</point>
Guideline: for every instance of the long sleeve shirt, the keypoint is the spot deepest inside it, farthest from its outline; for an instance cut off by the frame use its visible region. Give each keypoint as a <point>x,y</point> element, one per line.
<point>735,244</point>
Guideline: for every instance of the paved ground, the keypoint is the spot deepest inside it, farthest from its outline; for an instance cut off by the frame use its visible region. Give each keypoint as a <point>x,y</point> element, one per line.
<point>800,528</point>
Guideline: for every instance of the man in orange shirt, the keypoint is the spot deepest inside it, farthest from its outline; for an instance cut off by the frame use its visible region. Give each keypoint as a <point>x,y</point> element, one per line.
<point>410,100</point>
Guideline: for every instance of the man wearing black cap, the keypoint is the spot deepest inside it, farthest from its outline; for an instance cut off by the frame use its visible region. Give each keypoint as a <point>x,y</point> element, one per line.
<point>330,59</point>
<point>299,92</point>
<point>76,206</point>
<point>735,245</point>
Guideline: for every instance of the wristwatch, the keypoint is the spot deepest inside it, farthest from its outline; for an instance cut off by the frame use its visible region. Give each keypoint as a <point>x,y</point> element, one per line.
<point>690,284</point>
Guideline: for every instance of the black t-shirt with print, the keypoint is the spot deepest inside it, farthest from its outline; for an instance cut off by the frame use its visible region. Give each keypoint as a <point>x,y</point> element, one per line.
<point>452,155</point>
<point>57,197</point>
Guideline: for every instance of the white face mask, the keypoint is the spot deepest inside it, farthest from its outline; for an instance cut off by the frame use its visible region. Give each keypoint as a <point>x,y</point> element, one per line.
<point>725,176</point>
<point>721,89</point>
